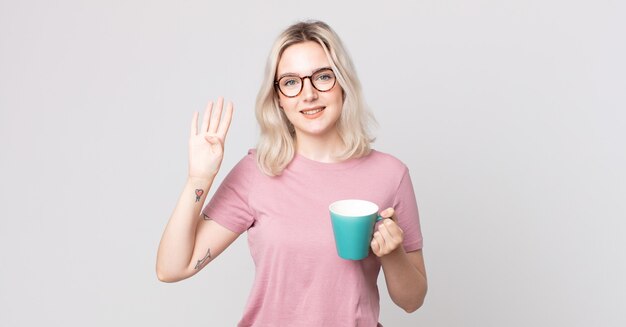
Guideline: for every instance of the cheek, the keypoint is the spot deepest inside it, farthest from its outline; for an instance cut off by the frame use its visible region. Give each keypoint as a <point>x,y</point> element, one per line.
<point>283,102</point>
<point>339,97</point>
<point>288,104</point>
<point>281,99</point>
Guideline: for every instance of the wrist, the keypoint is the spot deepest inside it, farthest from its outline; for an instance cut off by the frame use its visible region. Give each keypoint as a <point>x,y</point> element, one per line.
<point>200,181</point>
<point>395,255</point>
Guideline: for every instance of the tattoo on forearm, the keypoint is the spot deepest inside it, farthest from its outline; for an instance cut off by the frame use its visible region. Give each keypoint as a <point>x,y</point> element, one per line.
<point>199,193</point>
<point>204,260</point>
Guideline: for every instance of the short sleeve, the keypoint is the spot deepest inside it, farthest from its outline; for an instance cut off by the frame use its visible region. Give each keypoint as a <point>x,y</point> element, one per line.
<point>405,207</point>
<point>229,205</point>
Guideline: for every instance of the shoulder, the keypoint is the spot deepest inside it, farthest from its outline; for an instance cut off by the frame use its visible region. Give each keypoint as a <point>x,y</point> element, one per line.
<point>386,160</point>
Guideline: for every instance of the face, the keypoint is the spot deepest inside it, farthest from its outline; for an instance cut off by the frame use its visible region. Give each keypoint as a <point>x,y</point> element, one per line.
<point>312,112</point>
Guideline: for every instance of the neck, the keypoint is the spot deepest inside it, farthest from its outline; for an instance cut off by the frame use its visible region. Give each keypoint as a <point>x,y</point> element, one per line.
<point>322,149</point>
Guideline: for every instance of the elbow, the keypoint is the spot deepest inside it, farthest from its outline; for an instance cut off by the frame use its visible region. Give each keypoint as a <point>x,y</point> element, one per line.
<point>166,277</point>
<point>168,273</point>
<point>413,306</point>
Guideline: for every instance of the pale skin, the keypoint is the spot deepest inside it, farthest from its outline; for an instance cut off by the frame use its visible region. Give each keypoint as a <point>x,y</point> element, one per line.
<point>191,240</point>
<point>405,273</point>
<point>317,138</point>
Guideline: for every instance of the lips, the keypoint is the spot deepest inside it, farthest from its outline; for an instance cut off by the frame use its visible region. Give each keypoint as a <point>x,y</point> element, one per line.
<point>312,111</point>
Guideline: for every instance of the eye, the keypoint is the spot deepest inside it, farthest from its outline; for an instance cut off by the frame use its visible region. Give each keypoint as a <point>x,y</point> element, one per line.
<point>325,76</point>
<point>290,81</point>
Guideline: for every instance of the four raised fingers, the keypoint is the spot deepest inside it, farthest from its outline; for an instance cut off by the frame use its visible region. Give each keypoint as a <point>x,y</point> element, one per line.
<point>212,122</point>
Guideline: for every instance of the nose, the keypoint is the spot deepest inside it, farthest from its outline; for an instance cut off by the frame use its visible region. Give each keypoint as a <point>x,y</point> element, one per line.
<point>308,91</point>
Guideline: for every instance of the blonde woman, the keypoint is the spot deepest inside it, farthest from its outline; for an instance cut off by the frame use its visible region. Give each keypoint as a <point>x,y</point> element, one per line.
<point>314,149</point>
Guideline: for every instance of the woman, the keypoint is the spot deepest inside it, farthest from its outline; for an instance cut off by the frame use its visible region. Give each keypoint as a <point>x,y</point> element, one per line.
<point>314,149</point>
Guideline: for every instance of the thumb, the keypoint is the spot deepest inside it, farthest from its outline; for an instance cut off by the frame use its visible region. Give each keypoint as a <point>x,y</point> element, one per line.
<point>216,144</point>
<point>389,213</point>
<point>212,139</point>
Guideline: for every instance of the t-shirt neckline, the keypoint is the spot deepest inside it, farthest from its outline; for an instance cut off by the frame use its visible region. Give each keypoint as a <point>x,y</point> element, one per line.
<point>301,162</point>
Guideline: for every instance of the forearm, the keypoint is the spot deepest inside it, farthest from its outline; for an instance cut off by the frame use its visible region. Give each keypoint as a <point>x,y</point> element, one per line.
<point>177,243</point>
<point>406,284</point>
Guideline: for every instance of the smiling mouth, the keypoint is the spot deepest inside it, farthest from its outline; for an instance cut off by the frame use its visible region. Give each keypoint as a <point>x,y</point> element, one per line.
<point>312,111</point>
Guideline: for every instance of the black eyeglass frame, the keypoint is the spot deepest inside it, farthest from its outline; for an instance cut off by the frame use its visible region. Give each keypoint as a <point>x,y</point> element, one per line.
<point>302,78</point>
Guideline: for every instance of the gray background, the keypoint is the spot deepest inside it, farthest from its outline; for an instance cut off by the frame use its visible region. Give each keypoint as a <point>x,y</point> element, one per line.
<point>509,114</point>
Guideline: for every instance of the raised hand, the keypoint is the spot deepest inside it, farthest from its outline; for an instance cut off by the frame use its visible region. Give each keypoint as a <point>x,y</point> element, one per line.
<point>206,145</point>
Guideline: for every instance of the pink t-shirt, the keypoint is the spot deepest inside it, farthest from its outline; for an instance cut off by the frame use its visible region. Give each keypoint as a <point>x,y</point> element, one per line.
<point>300,280</point>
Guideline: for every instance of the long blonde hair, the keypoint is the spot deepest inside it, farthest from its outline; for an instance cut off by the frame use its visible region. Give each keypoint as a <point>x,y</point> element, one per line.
<point>276,147</point>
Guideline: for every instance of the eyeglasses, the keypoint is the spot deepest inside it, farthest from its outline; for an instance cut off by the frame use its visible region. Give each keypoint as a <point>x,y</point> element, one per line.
<point>291,85</point>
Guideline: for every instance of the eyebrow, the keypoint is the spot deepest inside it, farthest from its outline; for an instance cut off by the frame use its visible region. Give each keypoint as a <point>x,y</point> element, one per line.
<point>294,74</point>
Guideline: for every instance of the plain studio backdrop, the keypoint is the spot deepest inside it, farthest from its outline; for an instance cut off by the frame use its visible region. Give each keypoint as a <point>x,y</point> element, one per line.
<point>509,114</point>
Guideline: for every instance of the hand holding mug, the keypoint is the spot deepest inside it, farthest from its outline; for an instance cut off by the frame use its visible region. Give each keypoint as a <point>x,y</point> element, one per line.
<point>353,223</point>
<point>389,235</point>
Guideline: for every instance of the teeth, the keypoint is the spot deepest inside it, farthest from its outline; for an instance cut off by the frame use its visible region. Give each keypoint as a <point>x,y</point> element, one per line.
<point>311,112</point>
